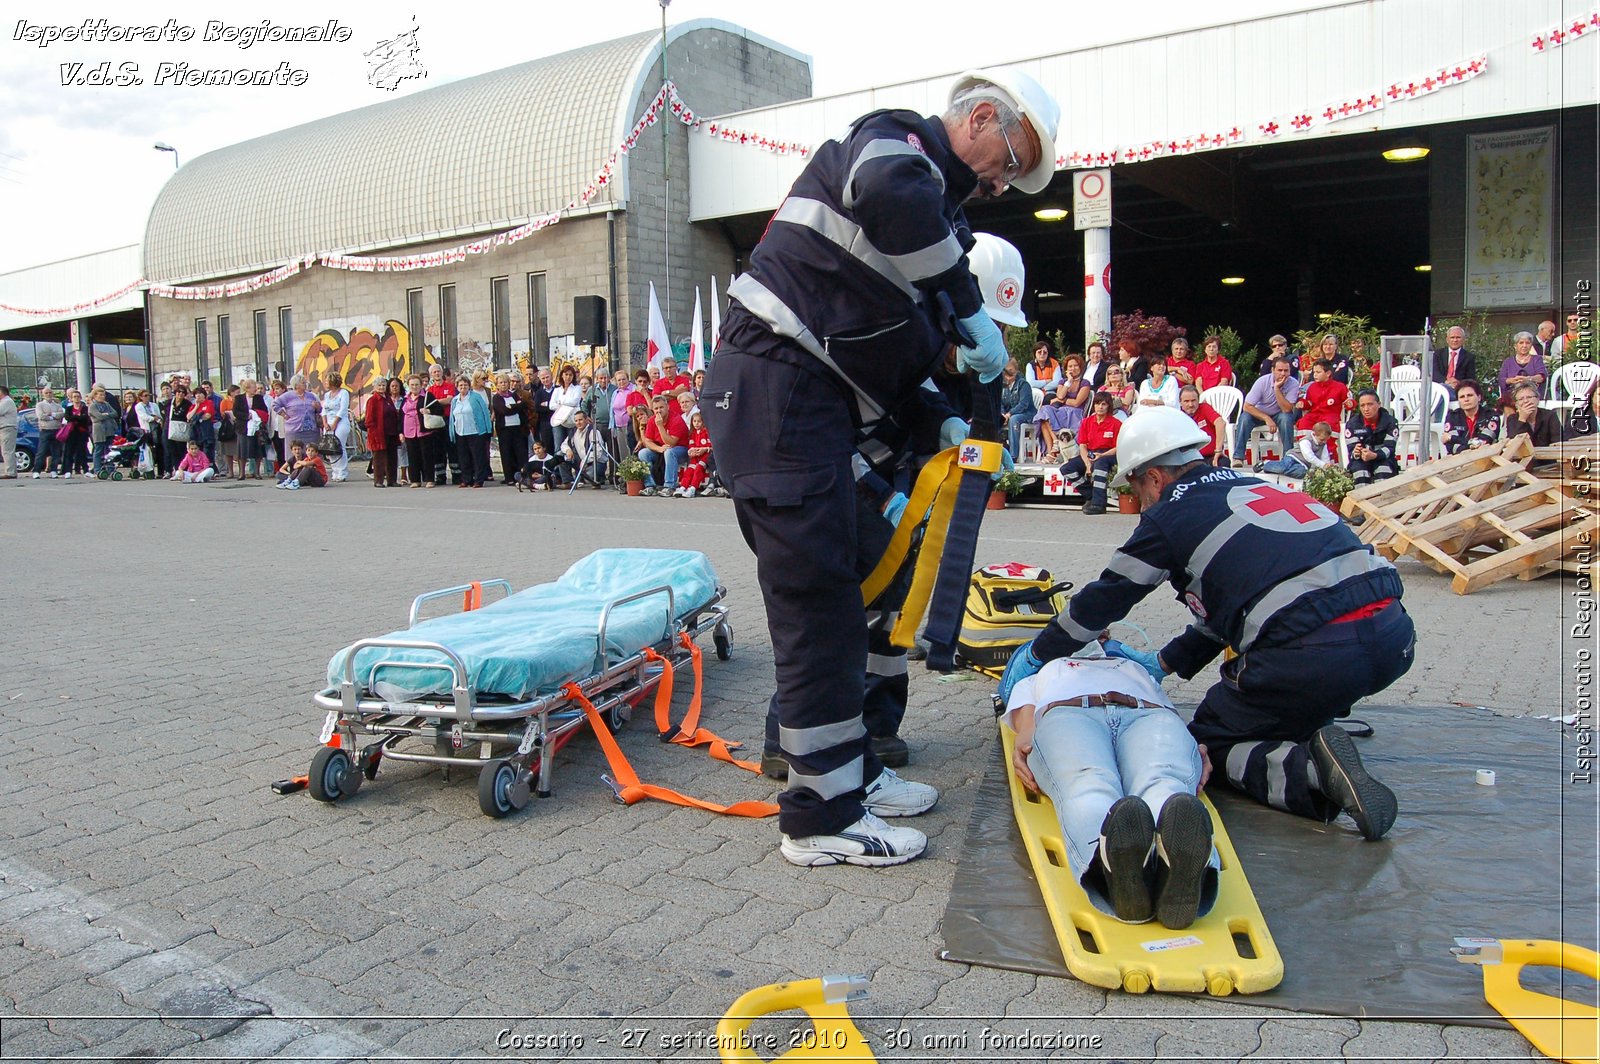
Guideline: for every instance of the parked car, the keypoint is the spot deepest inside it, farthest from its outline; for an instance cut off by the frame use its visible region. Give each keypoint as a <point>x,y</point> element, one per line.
<point>27,440</point>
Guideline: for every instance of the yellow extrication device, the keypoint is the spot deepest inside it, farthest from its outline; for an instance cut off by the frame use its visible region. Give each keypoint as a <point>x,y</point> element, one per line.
<point>1558,1028</point>
<point>831,1036</point>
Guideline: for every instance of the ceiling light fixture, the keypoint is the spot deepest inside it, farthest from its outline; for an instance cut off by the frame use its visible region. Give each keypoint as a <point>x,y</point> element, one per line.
<point>1406,153</point>
<point>1050,214</point>
<point>1426,267</point>
<point>1233,280</point>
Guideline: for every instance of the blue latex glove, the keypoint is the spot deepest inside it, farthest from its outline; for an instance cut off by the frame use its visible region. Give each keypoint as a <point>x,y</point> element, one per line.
<point>952,432</point>
<point>989,355</point>
<point>1023,664</point>
<point>1006,464</point>
<point>1147,658</point>
<point>895,508</point>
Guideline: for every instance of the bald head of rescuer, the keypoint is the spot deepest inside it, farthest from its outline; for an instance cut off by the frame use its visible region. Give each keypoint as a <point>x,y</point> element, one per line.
<point>857,289</point>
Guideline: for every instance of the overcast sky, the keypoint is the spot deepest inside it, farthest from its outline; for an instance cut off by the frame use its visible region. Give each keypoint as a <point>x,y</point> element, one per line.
<point>78,172</point>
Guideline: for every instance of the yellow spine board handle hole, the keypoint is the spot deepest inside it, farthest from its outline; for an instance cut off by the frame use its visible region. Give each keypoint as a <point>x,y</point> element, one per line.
<point>833,1035</point>
<point>1559,1028</point>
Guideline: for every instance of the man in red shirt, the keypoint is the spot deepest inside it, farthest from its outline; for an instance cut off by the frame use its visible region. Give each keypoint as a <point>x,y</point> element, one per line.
<point>1179,364</point>
<point>440,445</point>
<point>664,446</point>
<point>1097,452</point>
<point>1214,424</point>
<point>1324,399</point>
<point>671,380</point>
<point>1213,369</point>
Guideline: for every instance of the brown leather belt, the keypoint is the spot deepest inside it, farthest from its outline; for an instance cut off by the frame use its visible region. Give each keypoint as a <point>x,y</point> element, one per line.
<point>1110,698</point>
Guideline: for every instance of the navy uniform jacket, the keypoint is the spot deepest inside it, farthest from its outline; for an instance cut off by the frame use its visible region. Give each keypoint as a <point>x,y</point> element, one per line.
<point>1456,437</point>
<point>1257,564</point>
<point>1380,437</point>
<point>863,269</point>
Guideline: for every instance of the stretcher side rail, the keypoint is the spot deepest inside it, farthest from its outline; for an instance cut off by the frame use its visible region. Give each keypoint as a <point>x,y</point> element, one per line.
<point>605,619</point>
<point>445,592</point>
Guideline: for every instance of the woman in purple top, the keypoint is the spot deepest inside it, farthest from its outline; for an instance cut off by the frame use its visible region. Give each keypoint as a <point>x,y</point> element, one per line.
<point>299,409</point>
<point>1525,366</point>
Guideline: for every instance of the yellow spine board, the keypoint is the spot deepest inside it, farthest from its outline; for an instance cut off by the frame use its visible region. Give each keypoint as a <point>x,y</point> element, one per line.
<point>1558,1028</point>
<point>1209,956</point>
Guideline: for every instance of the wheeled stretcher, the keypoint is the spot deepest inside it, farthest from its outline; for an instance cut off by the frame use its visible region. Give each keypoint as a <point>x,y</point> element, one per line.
<point>505,685</point>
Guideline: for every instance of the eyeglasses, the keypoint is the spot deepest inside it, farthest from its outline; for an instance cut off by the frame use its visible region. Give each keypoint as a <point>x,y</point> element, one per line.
<point>1014,168</point>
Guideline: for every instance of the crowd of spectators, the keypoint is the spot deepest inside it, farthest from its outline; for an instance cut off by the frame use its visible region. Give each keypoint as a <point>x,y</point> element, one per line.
<point>545,430</point>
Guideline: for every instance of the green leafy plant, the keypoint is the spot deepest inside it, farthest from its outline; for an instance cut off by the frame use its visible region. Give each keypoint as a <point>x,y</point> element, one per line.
<point>1329,484</point>
<point>1011,482</point>
<point>633,468</point>
<point>1306,345</point>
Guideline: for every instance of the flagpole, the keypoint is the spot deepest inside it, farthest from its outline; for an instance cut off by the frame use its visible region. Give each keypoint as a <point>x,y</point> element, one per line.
<point>666,162</point>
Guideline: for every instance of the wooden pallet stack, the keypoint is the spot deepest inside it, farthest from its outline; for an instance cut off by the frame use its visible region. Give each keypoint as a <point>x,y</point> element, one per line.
<point>1487,514</point>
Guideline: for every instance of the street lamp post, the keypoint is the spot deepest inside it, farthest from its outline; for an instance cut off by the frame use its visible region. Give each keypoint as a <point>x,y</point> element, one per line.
<point>162,145</point>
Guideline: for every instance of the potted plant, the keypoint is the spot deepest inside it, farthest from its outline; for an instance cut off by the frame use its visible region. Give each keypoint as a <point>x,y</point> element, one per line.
<point>1329,485</point>
<point>1008,485</point>
<point>633,472</point>
<point>1127,501</point>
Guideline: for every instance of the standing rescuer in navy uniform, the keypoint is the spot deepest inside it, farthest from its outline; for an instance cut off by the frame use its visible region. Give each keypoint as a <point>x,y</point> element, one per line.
<point>1312,613</point>
<point>853,295</point>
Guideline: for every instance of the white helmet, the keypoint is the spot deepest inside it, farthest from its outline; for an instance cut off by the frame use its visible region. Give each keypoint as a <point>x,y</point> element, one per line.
<point>997,265</point>
<point>1036,106</point>
<point>1163,435</point>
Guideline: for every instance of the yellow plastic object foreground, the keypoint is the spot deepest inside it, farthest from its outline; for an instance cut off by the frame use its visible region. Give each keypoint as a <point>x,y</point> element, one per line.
<point>1227,951</point>
<point>833,1036</point>
<point>1558,1028</point>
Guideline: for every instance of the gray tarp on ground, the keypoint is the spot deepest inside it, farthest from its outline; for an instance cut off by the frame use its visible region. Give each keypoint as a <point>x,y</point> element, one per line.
<point>1365,929</point>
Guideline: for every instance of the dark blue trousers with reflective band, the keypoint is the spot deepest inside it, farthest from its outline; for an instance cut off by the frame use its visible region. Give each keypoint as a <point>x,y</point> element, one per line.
<point>1257,719</point>
<point>783,439</point>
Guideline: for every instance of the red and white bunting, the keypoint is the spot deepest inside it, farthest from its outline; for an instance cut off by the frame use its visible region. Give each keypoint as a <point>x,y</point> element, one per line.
<point>76,308</point>
<point>1443,78</point>
<point>233,288</point>
<point>1577,27</point>
<point>756,140</point>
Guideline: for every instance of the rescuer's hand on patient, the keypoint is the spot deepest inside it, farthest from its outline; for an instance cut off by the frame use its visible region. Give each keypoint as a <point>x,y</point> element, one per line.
<point>988,357</point>
<point>1148,658</point>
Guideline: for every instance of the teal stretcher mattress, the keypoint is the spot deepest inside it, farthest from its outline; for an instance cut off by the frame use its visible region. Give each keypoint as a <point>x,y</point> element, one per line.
<point>530,643</point>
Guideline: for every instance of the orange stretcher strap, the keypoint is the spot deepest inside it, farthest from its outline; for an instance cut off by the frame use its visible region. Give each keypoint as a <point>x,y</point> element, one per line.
<point>472,597</point>
<point>689,733</point>
<point>628,786</point>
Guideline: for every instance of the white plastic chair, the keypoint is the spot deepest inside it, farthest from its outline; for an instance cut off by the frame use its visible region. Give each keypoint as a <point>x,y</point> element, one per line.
<point>1227,401</point>
<point>1569,385</point>
<point>1407,409</point>
<point>1405,373</point>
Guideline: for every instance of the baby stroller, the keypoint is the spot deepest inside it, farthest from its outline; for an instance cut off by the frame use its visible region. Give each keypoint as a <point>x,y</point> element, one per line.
<point>122,453</point>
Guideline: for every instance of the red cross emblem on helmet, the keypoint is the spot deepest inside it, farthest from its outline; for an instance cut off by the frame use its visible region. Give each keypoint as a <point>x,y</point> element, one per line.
<point>1008,292</point>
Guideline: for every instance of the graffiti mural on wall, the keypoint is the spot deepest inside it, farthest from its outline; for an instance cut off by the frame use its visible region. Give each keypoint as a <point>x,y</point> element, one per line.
<point>359,355</point>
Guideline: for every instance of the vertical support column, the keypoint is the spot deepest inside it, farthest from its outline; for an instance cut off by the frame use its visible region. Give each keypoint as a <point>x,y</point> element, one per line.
<point>83,360</point>
<point>1096,284</point>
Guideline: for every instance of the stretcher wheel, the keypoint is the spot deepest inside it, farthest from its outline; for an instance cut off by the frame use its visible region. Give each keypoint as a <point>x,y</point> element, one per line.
<point>722,639</point>
<point>329,770</point>
<point>498,789</point>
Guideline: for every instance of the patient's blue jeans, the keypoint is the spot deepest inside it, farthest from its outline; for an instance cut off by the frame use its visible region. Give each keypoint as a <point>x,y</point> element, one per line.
<point>1085,758</point>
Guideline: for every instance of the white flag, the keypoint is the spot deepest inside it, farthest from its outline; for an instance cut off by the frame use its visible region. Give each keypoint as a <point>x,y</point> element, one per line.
<point>697,343</point>
<point>716,318</point>
<point>659,345</point>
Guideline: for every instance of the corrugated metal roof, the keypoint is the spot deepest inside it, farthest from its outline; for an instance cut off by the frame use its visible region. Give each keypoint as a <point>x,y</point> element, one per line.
<point>482,153</point>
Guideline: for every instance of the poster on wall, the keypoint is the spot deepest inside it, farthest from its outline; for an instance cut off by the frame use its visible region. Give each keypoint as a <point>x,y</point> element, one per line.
<point>1510,200</point>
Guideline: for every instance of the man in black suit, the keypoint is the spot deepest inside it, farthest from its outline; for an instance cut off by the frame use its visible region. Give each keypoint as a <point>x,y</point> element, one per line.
<point>1544,338</point>
<point>1454,362</point>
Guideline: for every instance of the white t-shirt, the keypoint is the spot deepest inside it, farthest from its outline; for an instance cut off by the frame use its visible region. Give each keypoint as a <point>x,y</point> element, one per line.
<point>1067,678</point>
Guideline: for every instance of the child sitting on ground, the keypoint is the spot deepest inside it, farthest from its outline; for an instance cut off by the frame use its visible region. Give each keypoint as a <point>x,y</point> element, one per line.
<point>304,469</point>
<point>692,477</point>
<point>543,470</point>
<point>1311,453</point>
<point>195,467</point>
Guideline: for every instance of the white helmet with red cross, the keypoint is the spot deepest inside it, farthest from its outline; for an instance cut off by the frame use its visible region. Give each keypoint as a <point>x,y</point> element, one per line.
<point>997,265</point>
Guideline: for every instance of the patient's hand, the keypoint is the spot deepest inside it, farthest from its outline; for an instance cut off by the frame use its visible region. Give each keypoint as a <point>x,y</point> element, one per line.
<point>1023,719</point>
<point>1205,768</point>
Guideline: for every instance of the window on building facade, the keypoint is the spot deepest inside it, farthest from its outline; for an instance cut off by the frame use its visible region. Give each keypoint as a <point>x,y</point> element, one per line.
<point>285,367</point>
<point>447,328</point>
<point>261,344</point>
<point>414,324</point>
<point>202,355</point>
<point>500,318</point>
<point>538,318</point>
<point>224,353</point>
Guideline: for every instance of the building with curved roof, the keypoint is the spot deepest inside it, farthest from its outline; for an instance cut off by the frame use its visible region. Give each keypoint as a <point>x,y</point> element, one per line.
<point>446,166</point>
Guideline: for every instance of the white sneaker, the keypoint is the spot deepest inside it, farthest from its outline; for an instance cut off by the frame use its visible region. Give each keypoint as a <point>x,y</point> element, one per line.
<point>66,476</point>
<point>36,476</point>
<point>889,795</point>
<point>869,841</point>
<point>688,493</point>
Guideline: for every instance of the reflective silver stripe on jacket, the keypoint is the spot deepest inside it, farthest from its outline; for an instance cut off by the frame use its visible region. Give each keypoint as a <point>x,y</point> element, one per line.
<point>831,225</point>
<point>1142,573</point>
<point>759,300</point>
<point>1330,573</point>
<point>931,261</point>
<point>884,149</point>
<point>1074,629</point>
